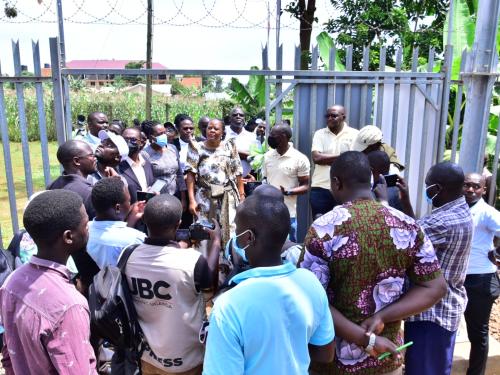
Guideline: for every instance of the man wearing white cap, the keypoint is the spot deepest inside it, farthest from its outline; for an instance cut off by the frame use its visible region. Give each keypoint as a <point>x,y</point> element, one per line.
<point>370,139</point>
<point>112,150</point>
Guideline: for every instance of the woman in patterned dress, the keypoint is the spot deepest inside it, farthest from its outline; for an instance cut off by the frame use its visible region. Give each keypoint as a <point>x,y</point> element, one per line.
<point>214,182</point>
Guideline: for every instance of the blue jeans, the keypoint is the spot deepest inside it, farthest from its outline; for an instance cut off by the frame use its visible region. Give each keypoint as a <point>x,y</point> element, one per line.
<point>321,201</point>
<point>292,235</point>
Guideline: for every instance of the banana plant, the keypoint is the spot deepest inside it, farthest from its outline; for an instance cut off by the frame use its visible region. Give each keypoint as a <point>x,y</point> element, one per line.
<point>252,96</point>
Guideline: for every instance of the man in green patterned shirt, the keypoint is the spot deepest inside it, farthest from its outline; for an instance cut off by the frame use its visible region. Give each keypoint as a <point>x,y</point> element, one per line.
<point>362,252</point>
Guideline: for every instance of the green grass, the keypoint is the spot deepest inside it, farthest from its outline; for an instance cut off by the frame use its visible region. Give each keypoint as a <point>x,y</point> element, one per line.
<point>20,182</point>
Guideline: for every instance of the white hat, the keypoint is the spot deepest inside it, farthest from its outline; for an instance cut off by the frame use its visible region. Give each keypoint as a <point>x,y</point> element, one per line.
<point>117,140</point>
<point>367,136</point>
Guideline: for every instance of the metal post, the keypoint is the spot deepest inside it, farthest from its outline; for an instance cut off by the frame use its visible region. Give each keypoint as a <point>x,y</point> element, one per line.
<point>149,59</point>
<point>42,123</point>
<point>60,23</point>
<point>279,85</point>
<point>57,91</point>
<point>479,77</point>
<point>446,69</point>
<point>11,189</point>
<point>23,123</point>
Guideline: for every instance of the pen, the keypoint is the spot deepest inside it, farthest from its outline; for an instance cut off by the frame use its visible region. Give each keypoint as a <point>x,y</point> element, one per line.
<point>387,354</point>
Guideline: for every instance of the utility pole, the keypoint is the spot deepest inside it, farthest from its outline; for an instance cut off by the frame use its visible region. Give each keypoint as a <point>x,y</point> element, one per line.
<point>479,77</point>
<point>149,59</point>
<point>60,23</point>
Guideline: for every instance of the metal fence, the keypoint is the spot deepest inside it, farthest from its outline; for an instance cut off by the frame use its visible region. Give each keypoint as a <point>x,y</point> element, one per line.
<point>410,107</point>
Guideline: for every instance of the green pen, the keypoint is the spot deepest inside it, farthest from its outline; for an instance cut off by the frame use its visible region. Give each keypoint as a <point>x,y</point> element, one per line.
<point>387,354</point>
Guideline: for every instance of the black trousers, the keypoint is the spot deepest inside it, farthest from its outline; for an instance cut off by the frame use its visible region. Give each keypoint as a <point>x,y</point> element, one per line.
<point>482,291</point>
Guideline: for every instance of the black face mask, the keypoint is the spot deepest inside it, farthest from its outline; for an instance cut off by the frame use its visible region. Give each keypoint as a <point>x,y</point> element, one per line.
<point>132,147</point>
<point>272,142</point>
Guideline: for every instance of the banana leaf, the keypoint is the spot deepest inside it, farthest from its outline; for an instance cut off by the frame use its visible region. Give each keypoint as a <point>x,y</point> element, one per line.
<point>325,43</point>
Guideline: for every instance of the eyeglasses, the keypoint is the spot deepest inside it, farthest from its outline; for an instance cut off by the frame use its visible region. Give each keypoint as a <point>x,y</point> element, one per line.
<point>334,115</point>
<point>133,140</point>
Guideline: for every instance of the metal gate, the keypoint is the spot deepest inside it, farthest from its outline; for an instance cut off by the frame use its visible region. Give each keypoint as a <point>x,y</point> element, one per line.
<point>410,107</point>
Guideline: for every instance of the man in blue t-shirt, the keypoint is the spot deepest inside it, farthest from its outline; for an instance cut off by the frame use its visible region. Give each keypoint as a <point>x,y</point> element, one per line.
<point>277,318</point>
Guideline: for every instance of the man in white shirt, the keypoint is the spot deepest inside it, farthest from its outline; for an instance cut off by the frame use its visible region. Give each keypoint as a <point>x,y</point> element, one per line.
<point>482,283</point>
<point>243,138</point>
<point>96,121</point>
<point>287,169</point>
<point>328,143</point>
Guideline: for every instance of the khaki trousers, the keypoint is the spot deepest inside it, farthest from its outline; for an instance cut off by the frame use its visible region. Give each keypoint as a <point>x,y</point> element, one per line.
<point>149,369</point>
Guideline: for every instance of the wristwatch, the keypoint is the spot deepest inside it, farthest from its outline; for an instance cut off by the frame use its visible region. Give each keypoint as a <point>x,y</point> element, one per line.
<point>371,343</point>
<point>287,192</point>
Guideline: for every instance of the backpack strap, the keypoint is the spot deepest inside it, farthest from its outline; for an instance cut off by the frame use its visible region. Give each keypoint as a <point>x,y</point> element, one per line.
<point>15,244</point>
<point>122,262</point>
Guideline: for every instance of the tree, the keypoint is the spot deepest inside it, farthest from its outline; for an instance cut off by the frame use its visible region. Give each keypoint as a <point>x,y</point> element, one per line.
<point>212,83</point>
<point>389,23</point>
<point>134,80</point>
<point>305,14</point>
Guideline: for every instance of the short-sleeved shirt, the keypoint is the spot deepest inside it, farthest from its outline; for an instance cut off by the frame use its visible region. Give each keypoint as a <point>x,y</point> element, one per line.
<point>486,226</point>
<point>361,252</point>
<point>449,228</point>
<point>329,143</point>
<point>166,166</point>
<point>264,324</point>
<point>284,170</point>
<point>107,239</point>
<point>243,141</point>
<point>46,320</point>
<point>90,139</point>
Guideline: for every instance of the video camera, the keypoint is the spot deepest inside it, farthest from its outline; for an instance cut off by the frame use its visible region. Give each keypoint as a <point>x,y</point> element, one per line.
<point>196,231</point>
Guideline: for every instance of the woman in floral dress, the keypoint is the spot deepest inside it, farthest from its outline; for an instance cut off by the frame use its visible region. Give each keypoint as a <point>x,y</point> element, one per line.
<point>214,182</point>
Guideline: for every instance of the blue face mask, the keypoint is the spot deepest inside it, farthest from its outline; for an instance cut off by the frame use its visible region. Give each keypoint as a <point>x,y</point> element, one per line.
<point>426,196</point>
<point>236,248</point>
<point>162,140</point>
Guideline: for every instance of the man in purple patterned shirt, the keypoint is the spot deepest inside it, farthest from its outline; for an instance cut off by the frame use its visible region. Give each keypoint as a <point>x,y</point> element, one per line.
<point>362,251</point>
<point>46,319</point>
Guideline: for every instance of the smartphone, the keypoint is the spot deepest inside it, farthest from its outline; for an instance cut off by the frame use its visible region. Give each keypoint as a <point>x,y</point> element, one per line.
<point>144,196</point>
<point>391,179</point>
<point>157,186</point>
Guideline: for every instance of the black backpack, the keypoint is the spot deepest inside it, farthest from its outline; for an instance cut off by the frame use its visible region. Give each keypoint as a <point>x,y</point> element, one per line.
<point>112,312</point>
<point>9,258</point>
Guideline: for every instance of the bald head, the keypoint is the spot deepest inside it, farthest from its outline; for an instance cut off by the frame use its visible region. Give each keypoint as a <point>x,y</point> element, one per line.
<point>76,157</point>
<point>281,129</point>
<point>97,121</point>
<point>474,187</point>
<point>268,191</point>
<point>335,117</point>
<point>268,218</point>
<point>445,182</point>
<point>449,175</point>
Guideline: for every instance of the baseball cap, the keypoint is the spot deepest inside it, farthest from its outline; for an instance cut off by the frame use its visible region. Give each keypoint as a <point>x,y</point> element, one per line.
<point>367,136</point>
<point>117,140</point>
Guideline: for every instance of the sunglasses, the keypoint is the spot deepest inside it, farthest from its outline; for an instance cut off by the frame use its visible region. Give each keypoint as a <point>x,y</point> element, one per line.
<point>334,115</point>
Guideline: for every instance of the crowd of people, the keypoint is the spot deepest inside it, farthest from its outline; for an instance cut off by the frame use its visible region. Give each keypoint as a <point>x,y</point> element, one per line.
<point>241,295</point>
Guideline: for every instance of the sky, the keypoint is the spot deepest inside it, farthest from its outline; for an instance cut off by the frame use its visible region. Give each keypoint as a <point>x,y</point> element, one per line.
<point>188,34</point>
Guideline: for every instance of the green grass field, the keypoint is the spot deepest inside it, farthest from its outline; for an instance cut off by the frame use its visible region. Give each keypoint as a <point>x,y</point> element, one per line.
<point>20,183</point>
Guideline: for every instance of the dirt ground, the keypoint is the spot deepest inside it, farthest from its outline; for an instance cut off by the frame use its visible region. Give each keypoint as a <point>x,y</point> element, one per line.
<point>495,321</point>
